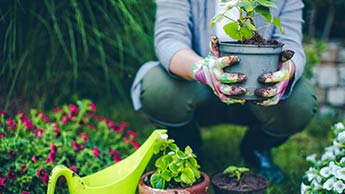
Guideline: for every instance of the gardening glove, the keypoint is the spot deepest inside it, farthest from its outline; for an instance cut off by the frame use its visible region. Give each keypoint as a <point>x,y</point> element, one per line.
<point>210,71</point>
<point>280,79</point>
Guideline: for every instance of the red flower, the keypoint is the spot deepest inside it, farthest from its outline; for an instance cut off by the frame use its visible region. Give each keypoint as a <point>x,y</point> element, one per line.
<point>116,158</point>
<point>10,123</point>
<point>75,145</point>
<point>2,181</point>
<point>92,107</point>
<point>121,126</point>
<point>53,149</point>
<point>39,133</point>
<point>57,130</point>
<point>43,175</point>
<point>84,136</point>
<point>135,144</point>
<point>11,175</point>
<point>115,154</point>
<point>2,112</point>
<point>2,135</point>
<point>132,133</point>
<point>28,124</point>
<point>23,169</point>
<point>25,192</point>
<point>34,158</point>
<point>95,151</point>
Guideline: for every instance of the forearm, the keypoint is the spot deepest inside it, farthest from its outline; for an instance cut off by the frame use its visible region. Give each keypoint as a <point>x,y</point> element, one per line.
<point>182,62</point>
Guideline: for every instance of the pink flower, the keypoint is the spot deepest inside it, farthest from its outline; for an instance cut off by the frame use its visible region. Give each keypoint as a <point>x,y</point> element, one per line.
<point>2,181</point>
<point>73,168</point>
<point>57,110</point>
<point>116,158</point>
<point>126,139</point>
<point>28,124</point>
<point>135,144</point>
<point>75,145</point>
<point>57,130</point>
<point>73,110</point>
<point>43,116</point>
<point>92,107</point>
<point>84,136</point>
<point>34,158</point>
<point>2,112</point>
<point>64,119</point>
<point>132,133</point>
<point>113,152</point>
<point>43,175</point>
<point>95,151</point>
<point>25,192</point>
<point>50,158</point>
<point>39,133</point>
<point>53,149</point>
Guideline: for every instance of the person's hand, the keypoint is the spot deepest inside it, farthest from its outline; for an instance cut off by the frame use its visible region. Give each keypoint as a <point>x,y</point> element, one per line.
<point>280,79</point>
<point>210,71</point>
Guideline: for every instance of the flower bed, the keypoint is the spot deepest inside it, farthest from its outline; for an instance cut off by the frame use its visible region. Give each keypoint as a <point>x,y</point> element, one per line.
<point>327,174</point>
<point>73,135</point>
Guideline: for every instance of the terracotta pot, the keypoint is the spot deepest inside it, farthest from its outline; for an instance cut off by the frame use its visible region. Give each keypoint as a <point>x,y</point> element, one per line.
<point>253,184</point>
<point>201,188</point>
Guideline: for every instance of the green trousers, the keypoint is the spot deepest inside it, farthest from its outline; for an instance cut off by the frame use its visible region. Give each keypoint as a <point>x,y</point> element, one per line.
<point>173,102</point>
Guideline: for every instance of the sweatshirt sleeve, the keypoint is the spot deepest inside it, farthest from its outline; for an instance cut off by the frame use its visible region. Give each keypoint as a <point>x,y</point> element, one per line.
<point>172,29</point>
<point>292,20</point>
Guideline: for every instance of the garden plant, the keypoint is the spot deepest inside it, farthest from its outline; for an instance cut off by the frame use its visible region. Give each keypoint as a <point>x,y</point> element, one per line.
<point>175,169</point>
<point>74,135</point>
<point>327,172</point>
<point>237,180</point>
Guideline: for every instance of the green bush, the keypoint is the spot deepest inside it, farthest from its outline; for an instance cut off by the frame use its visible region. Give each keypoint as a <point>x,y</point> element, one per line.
<point>72,135</point>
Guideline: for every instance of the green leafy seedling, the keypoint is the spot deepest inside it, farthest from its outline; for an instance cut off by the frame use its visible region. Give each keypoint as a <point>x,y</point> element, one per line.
<point>234,171</point>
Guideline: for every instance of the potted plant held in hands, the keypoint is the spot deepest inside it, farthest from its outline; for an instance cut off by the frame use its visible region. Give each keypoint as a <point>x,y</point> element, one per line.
<point>239,180</point>
<point>177,172</point>
<point>257,55</point>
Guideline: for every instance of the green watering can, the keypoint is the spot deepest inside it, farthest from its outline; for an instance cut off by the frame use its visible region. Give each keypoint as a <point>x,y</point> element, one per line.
<point>120,178</point>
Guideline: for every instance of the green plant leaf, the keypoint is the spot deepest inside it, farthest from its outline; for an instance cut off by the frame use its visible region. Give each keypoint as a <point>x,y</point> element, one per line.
<point>246,6</point>
<point>173,147</point>
<point>166,175</point>
<point>231,29</point>
<point>249,26</point>
<point>265,12</point>
<point>180,154</point>
<point>245,32</point>
<point>278,24</point>
<point>157,181</point>
<point>188,150</point>
<point>187,176</point>
<point>174,168</point>
<point>216,19</point>
<point>266,3</point>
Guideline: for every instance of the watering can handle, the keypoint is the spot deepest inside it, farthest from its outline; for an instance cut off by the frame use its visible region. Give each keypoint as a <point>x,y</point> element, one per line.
<point>71,178</point>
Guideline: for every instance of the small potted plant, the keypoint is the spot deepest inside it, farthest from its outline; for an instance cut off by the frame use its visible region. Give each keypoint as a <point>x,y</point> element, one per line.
<point>239,180</point>
<point>257,55</point>
<point>176,171</point>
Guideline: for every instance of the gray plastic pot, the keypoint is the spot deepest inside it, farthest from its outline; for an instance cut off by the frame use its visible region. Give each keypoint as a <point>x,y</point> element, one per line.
<point>254,61</point>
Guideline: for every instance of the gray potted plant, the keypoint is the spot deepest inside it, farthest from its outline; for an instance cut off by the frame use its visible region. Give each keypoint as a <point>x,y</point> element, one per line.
<point>257,55</point>
<point>176,172</point>
<point>239,180</point>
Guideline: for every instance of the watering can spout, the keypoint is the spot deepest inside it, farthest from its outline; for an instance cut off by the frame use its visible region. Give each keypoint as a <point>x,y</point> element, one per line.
<point>120,178</point>
<point>73,180</point>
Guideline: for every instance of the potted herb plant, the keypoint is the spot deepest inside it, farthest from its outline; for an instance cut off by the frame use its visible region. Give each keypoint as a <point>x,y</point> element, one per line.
<point>257,55</point>
<point>176,172</point>
<point>239,180</point>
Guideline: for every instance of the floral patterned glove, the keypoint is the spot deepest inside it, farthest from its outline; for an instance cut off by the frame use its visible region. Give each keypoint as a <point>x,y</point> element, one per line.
<point>281,78</point>
<point>210,71</point>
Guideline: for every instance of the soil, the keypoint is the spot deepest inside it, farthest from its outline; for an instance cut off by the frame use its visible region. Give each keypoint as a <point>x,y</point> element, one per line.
<point>257,39</point>
<point>172,184</point>
<point>250,183</point>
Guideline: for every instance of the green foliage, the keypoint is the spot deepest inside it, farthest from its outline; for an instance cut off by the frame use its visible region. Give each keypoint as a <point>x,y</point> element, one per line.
<point>313,51</point>
<point>235,171</point>
<point>57,48</point>
<point>72,135</point>
<point>174,166</point>
<point>244,27</point>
